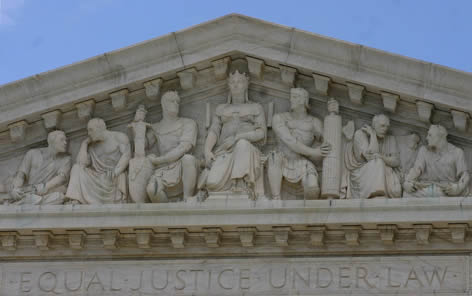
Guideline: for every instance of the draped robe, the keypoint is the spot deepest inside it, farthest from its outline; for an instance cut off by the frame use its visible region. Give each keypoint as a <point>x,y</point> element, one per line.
<point>38,169</point>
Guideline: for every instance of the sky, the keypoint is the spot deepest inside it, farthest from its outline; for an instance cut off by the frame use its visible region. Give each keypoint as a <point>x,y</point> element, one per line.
<point>40,35</point>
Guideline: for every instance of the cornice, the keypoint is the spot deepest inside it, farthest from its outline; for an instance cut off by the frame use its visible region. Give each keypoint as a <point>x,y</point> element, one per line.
<point>164,56</point>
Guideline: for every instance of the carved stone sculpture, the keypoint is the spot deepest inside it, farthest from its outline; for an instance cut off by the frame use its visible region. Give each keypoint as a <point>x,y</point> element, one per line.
<point>373,161</point>
<point>140,167</point>
<point>43,174</point>
<point>233,160</point>
<point>177,169</point>
<point>439,170</point>
<point>296,133</point>
<point>332,163</point>
<point>99,176</point>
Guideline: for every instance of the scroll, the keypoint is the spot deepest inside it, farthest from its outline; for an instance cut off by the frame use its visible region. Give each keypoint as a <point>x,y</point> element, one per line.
<point>332,163</point>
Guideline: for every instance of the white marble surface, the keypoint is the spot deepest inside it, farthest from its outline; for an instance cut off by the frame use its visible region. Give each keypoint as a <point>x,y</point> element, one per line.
<point>239,211</point>
<point>385,275</point>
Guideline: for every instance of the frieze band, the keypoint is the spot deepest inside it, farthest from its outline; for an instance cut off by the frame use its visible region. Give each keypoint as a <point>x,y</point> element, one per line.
<point>312,158</point>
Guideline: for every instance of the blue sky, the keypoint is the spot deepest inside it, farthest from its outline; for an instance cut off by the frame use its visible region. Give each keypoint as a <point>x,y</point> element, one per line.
<point>40,35</point>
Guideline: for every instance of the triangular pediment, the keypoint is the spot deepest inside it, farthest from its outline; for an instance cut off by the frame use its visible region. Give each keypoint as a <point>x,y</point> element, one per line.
<point>237,239</point>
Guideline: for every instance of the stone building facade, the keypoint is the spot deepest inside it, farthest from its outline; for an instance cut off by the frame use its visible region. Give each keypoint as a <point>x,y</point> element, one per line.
<point>237,157</point>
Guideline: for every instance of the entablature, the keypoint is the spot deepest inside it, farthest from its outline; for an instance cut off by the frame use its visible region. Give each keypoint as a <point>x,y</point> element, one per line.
<point>229,227</point>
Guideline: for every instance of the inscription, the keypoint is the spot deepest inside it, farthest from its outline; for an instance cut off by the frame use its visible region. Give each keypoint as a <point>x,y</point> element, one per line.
<point>235,277</point>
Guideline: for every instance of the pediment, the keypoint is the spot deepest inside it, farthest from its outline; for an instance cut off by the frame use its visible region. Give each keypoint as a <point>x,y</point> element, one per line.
<point>141,243</point>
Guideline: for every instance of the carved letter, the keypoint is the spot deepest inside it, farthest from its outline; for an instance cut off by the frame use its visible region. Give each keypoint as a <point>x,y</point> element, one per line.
<point>66,285</point>
<point>435,274</point>
<point>45,288</point>
<point>221,284</point>
<point>306,280</point>
<point>180,280</point>
<point>318,271</point>
<point>153,282</point>
<point>140,282</point>
<point>361,274</point>
<point>111,282</point>
<point>412,276</point>
<point>24,280</point>
<point>344,276</point>
<point>244,274</point>
<point>389,279</point>
<point>95,280</point>
<point>279,286</point>
<point>196,271</point>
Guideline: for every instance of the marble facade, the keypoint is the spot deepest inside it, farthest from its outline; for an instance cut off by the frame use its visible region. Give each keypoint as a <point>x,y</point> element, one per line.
<point>225,144</point>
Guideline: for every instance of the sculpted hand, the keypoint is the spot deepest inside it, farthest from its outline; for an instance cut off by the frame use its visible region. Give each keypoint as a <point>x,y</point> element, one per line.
<point>209,158</point>
<point>325,149</point>
<point>452,189</point>
<point>17,193</point>
<point>370,155</point>
<point>409,186</point>
<point>117,172</point>
<point>368,129</point>
<point>155,159</point>
<point>333,106</point>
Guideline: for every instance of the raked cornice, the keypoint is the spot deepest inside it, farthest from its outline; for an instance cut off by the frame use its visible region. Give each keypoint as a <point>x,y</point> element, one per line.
<point>308,53</point>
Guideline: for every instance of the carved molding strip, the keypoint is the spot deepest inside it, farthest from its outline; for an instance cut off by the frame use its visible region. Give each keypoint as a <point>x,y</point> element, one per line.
<point>208,241</point>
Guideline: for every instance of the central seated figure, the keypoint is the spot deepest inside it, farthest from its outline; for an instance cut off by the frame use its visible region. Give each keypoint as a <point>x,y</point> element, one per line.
<point>233,160</point>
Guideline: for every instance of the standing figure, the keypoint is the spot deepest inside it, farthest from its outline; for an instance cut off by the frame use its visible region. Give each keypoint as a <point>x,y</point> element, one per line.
<point>234,162</point>
<point>296,133</point>
<point>99,176</point>
<point>373,161</point>
<point>43,174</point>
<point>140,167</point>
<point>439,170</point>
<point>138,128</point>
<point>177,169</point>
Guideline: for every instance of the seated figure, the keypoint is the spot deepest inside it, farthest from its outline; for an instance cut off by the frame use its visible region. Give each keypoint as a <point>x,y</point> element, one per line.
<point>373,161</point>
<point>296,133</point>
<point>439,170</point>
<point>43,174</point>
<point>99,176</point>
<point>233,160</point>
<point>176,169</point>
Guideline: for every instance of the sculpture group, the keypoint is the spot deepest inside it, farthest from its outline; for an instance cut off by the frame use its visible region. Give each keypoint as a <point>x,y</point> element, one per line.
<point>311,158</point>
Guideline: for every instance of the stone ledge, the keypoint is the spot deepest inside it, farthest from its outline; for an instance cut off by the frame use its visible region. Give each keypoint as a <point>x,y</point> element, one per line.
<point>230,227</point>
<point>231,212</point>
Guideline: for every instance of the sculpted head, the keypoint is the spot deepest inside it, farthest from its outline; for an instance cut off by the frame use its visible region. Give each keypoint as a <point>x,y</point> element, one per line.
<point>381,124</point>
<point>140,113</point>
<point>238,84</point>
<point>437,136</point>
<point>57,141</point>
<point>96,129</point>
<point>170,103</point>
<point>298,98</point>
